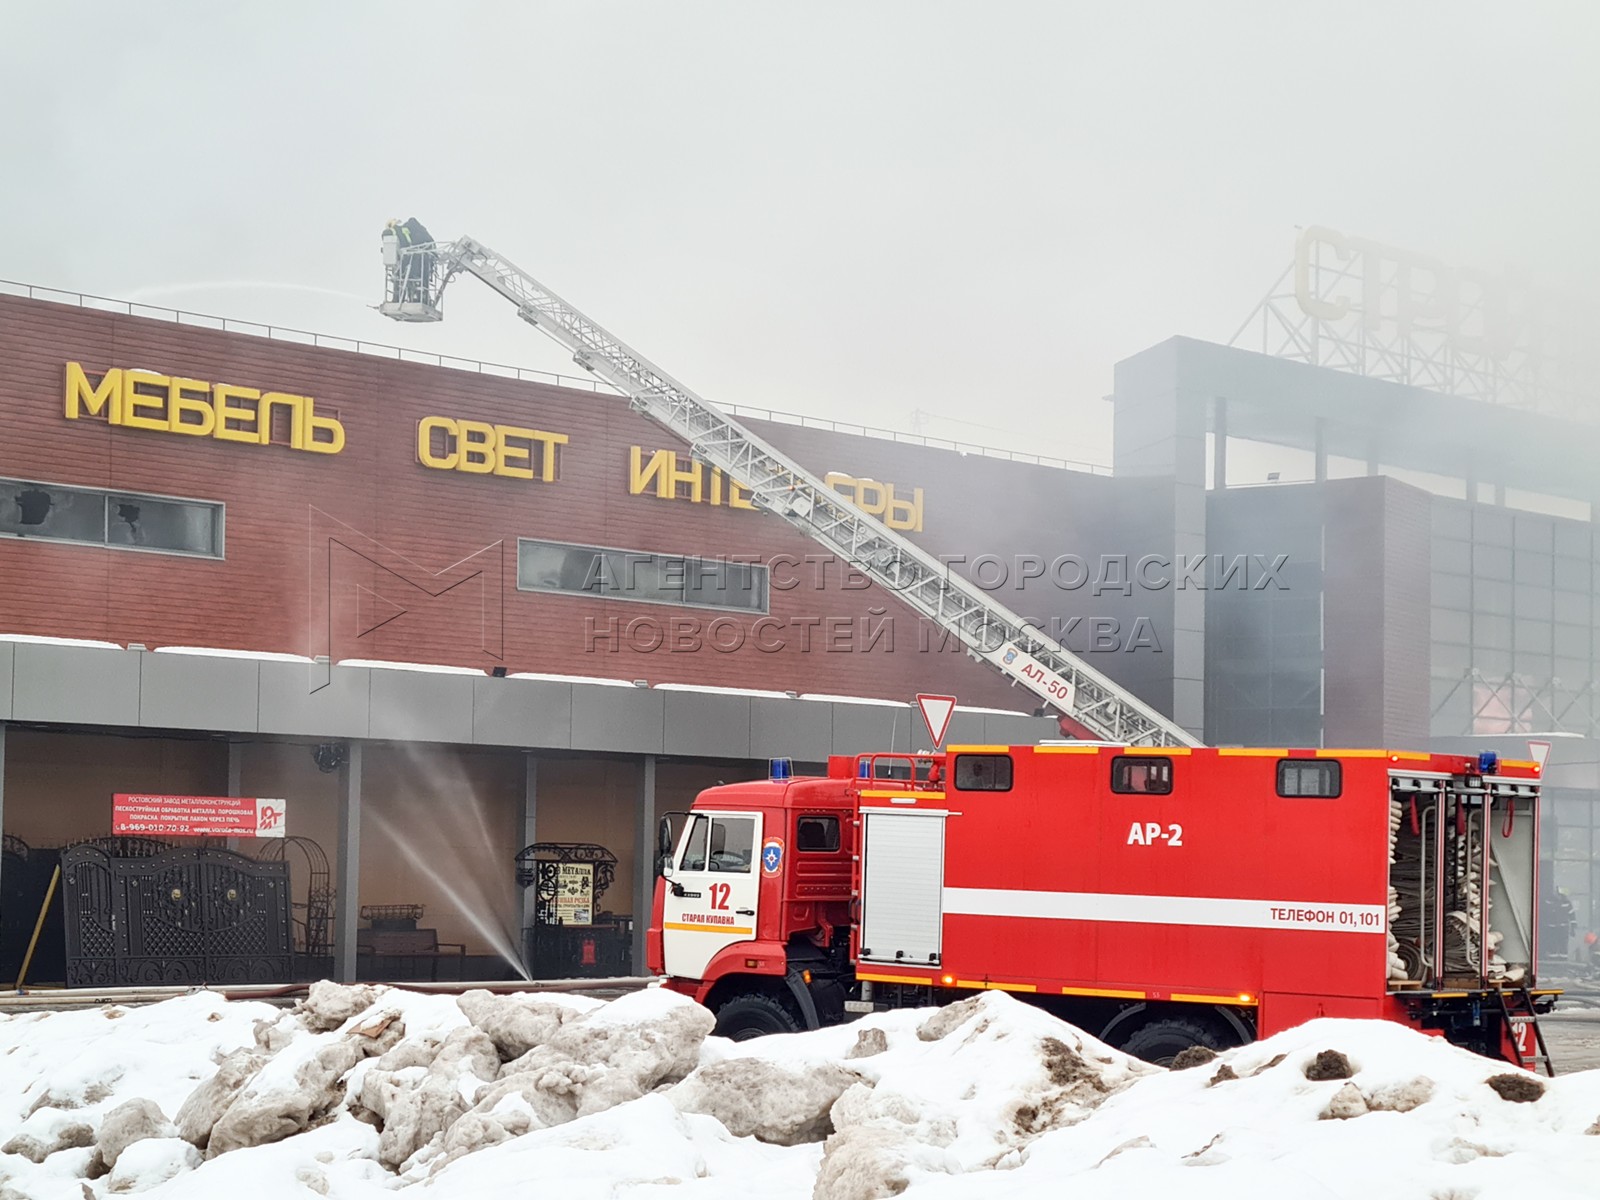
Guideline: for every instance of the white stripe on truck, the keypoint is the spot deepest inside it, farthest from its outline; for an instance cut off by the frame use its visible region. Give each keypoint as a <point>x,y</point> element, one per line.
<point>1168,910</point>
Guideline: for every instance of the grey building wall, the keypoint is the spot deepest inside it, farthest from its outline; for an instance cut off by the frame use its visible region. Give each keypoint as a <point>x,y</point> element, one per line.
<point>137,689</point>
<point>1159,427</point>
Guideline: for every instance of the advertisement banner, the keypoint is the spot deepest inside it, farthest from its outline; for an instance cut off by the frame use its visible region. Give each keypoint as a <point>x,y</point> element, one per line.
<point>197,816</point>
<point>575,894</point>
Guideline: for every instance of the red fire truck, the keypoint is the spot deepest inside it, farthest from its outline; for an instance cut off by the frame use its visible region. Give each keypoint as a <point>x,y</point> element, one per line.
<point>1156,897</point>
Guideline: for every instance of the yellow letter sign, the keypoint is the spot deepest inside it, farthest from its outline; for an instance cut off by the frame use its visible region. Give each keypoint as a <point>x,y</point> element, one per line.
<point>194,408</point>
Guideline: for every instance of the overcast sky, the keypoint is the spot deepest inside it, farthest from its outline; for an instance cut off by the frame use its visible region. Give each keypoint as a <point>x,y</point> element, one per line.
<point>848,210</point>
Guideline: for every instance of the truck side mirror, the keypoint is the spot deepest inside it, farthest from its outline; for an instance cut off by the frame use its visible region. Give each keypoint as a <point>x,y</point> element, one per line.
<point>666,868</point>
<point>664,837</point>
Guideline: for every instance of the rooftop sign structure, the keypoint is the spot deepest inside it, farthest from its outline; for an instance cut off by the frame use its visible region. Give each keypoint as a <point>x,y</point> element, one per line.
<point>1355,305</point>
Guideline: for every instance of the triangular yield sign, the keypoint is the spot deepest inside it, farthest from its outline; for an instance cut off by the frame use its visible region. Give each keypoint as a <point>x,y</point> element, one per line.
<point>936,712</point>
<point>1539,752</point>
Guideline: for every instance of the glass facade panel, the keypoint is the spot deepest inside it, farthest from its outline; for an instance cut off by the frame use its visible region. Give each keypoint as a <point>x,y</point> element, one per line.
<point>1572,672</point>
<point>1493,663</point>
<point>1533,568</point>
<point>1572,641</point>
<point>1532,603</point>
<point>1452,591</point>
<point>1531,635</point>
<point>1454,557</point>
<point>1534,667</point>
<point>1531,641</point>
<point>1491,596</point>
<point>1574,538</point>
<point>1572,840</point>
<point>1533,533</point>
<point>1572,875</point>
<point>1452,700</point>
<point>1451,659</point>
<point>1452,626</point>
<point>1572,607</point>
<point>1492,632</point>
<point>1491,525</point>
<point>1491,562</point>
<point>1571,573</point>
<point>1570,809</point>
<point>1452,520</point>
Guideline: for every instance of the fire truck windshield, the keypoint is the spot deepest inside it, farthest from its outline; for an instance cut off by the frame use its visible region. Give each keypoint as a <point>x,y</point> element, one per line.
<point>732,844</point>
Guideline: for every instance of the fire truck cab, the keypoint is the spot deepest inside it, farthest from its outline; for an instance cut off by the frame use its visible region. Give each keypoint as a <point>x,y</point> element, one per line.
<point>1156,897</point>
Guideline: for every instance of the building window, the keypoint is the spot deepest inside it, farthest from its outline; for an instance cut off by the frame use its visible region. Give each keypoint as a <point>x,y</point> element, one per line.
<point>640,575</point>
<point>1141,776</point>
<point>126,520</point>
<point>983,772</point>
<point>1308,777</point>
<point>817,834</point>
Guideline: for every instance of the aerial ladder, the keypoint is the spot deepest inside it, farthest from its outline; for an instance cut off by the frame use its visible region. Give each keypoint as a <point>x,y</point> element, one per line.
<point>1090,705</point>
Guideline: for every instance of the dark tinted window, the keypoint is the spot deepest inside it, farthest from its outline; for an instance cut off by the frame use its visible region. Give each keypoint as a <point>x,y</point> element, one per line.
<point>69,514</point>
<point>817,833</point>
<point>1308,777</point>
<point>640,575</point>
<point>983,772</point>
<point>1141,776</point>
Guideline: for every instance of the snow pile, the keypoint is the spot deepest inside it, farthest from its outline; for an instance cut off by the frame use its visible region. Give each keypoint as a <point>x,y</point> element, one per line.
<point>362,1092</point>
<point>928,1113</point>
<point>1364,1108</point>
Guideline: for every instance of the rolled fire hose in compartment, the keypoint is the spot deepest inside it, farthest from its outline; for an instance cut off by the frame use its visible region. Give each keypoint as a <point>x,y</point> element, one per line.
<point>1461,880</point>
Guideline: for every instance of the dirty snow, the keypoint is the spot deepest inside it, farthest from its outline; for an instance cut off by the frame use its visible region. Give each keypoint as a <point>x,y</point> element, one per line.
<point>366,1093</point>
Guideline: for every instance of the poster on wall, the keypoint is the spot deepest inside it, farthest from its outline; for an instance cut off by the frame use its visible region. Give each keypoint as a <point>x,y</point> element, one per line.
<point>575,894</point>
<point>148,815</point>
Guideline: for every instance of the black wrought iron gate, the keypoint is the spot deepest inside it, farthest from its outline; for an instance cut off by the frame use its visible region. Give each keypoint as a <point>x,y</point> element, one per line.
<point>183,916</point>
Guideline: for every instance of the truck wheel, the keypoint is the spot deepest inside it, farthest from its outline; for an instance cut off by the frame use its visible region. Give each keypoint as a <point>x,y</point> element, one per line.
<point>1162,1040</point>
<point>752,1015</point>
